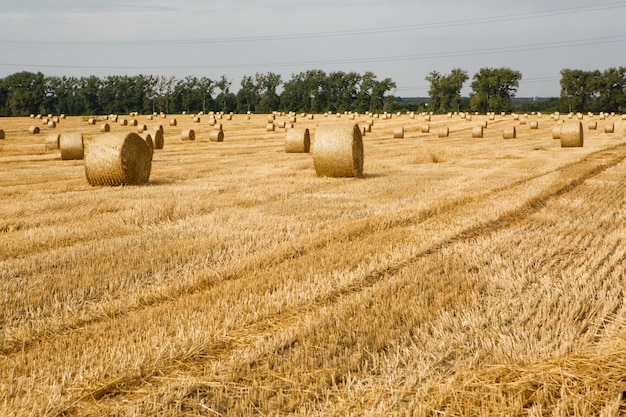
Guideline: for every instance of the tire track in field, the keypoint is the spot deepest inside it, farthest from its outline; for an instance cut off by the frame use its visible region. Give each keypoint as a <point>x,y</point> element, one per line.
<point>572,176</point>
<point>356,229</point>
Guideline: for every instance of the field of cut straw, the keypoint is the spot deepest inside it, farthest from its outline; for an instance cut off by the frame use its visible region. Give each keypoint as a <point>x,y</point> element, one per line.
<point>458,276</point>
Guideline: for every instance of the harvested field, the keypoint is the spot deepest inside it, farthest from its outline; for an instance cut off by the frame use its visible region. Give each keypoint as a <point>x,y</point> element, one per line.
<point>459,276</point>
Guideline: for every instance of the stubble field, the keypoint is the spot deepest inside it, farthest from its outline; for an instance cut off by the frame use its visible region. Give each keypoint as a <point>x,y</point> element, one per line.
<point>460,276</point>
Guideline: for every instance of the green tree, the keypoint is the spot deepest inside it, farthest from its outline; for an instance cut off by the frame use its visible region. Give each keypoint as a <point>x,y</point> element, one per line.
<point>25,94</point>
<point>248,95</point>
<point>223,98</point>
<point>267,84</point>
<point>494,89</point>
<point>445,90</point>
<point>610,86</point>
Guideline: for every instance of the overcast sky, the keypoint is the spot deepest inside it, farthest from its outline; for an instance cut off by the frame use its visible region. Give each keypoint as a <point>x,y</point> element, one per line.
<point>401,39</point>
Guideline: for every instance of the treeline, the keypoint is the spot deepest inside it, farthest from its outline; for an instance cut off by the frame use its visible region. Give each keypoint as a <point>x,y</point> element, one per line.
<point>312,91</point>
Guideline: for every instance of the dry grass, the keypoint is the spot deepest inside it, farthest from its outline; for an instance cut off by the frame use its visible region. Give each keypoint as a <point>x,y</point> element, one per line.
<point>459,277</point>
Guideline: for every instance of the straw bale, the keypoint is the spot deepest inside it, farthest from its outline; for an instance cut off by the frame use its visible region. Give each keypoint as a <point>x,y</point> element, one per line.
<point>91,121</point>
<point>218,126</point>
<point>147,137</point>
<point>1,134</point>
<point>443,132</point>
<point>33,129</point>
<point>72,146</point>
<point>270,127</point>
<point>123,122</point>
<point>509,132</point>
<point>157,139</point>
<point>216,136</point>
<point>609,128</point>
<point>196,119</point>
<point>572,135</point>
<point>159,128</point>
<point>188,135</point>
<point>338,150</point>
<point>297,140</point>
<point>52,142</point>
<point>593,125</point>
<point>141,128</point>
<point>52,124</point>
<point>398,133</point>
<point>477,131</point>
<point>133,122</point>
<point>556,132</point>
<point>118,159</point>
<point>534,125</point>
<point>425,128</point>
<point>173,122</point>
<point>105,128</point>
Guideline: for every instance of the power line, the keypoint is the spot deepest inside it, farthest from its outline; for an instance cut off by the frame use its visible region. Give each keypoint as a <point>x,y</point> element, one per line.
<point>357,32</point>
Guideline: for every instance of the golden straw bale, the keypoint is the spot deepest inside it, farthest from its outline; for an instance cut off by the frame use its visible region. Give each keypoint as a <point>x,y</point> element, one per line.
<point>425,128</point>
<point>593,125</point>
<point>123,122</point>
<point>105,128</point>
<point>141,128</point>
<point>509,132</point>
<point>216,136</point>
<point>1,134</point>
<point>398,133</point>
<point>133,122</point>
<point>338,150</point>
<point>33,129</point>
<point>556,131</point>
<point>91,121</point>
<point>173,122</point>
<point>297,140</point>
<point>534,125</point>
<point>196,119</point>
<point>157,139</point>
<point>52,141</point>
<point>122,158</point>
<point>159,128</point>
<point>572,135</point>
<point>218,126</point>
<point>52,124</point>
<point>443,132</point>
<point>72,146</point>
<point>188,135</point>
<point>609,128</point>
<point>270,127</point>
<point>147,137</point>
<point>477,131</point>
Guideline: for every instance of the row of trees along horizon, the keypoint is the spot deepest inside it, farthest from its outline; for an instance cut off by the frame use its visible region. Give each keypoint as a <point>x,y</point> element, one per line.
<point>312,91</point>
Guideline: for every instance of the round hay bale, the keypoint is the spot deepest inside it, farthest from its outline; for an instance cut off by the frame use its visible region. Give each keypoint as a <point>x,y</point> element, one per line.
<point>196,119</point>
<point>509,132</point>
<point>298,140</point>
<point>52,142</point>
<point>593,125</point>
<point>572,135</point>
<point>33,129</point>
<point>271,118</point>
<point>157,139</point>
<point>218,126</point>
<point>270,127</point>
<point>443,132</point>
<point>123,122</point>
<point>188,135</point>
<point>534,125</point>
<point>72,146</point>
<point>141,128</point>
<point>52,124</point>
<point>338,150</point>
<point>147,137</point>
<point>159,128</point>
<point>133,122</point>
<point>477,131</point>
<point>398,133</point>
<point>56,119</point>
<point>609,128</point>
<point>173,122</point>
<point>105,128</point>
<point>120,158</point>
<point>216,136</point>
<point>91,121</point>
<point>556,132</point>
<point>425,128</point>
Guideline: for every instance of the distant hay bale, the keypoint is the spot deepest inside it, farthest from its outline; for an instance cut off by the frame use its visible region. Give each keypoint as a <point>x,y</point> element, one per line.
<point>271,118</point>
<point>593,125</point>
<point>147,137</point>
<point>509,132</point>
<point>556,132</point>
<point>398,133</point>
<point>188,135</point>
<point>281,124</point>
<point>173,122</point>
<point>218,126</point>
<point>572,135</point>
<point>141,128</point>
<point>425,128</point>
<point>443,132</point>
<point>196,119</point>
<point>34,130</point>
<point>338,150</point>
<point>72,146</point>
<point>492,116</point>
<point>297,140</point>
<point>477,132</point>
<point>56,119</point>
<point>216,136</point>
<point>157,139</point>
<point>117,159</point>
<point>270,127</point>
<point>159,128</point>
<point>52,124</point>
<point>91,121</point>
<point>123,122</point>
<point>534,125</point>
<point>52,142</point>
<point>105,128</point>
<point>609,128</point>
<point>133,122</point>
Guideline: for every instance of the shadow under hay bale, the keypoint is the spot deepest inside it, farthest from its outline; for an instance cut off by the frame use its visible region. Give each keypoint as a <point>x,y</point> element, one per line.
<point>297,140</point>
<point>338,150</point>
<point>72,146</point>
<point>572,135</point>
<point>117,159</point>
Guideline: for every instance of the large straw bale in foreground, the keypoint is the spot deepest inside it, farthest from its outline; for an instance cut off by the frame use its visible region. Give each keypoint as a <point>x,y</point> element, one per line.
<point>338,150</point>
<point>72,146</point>
<point>572,135</point>
<point>297,140</point>
<point>117,159</point>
